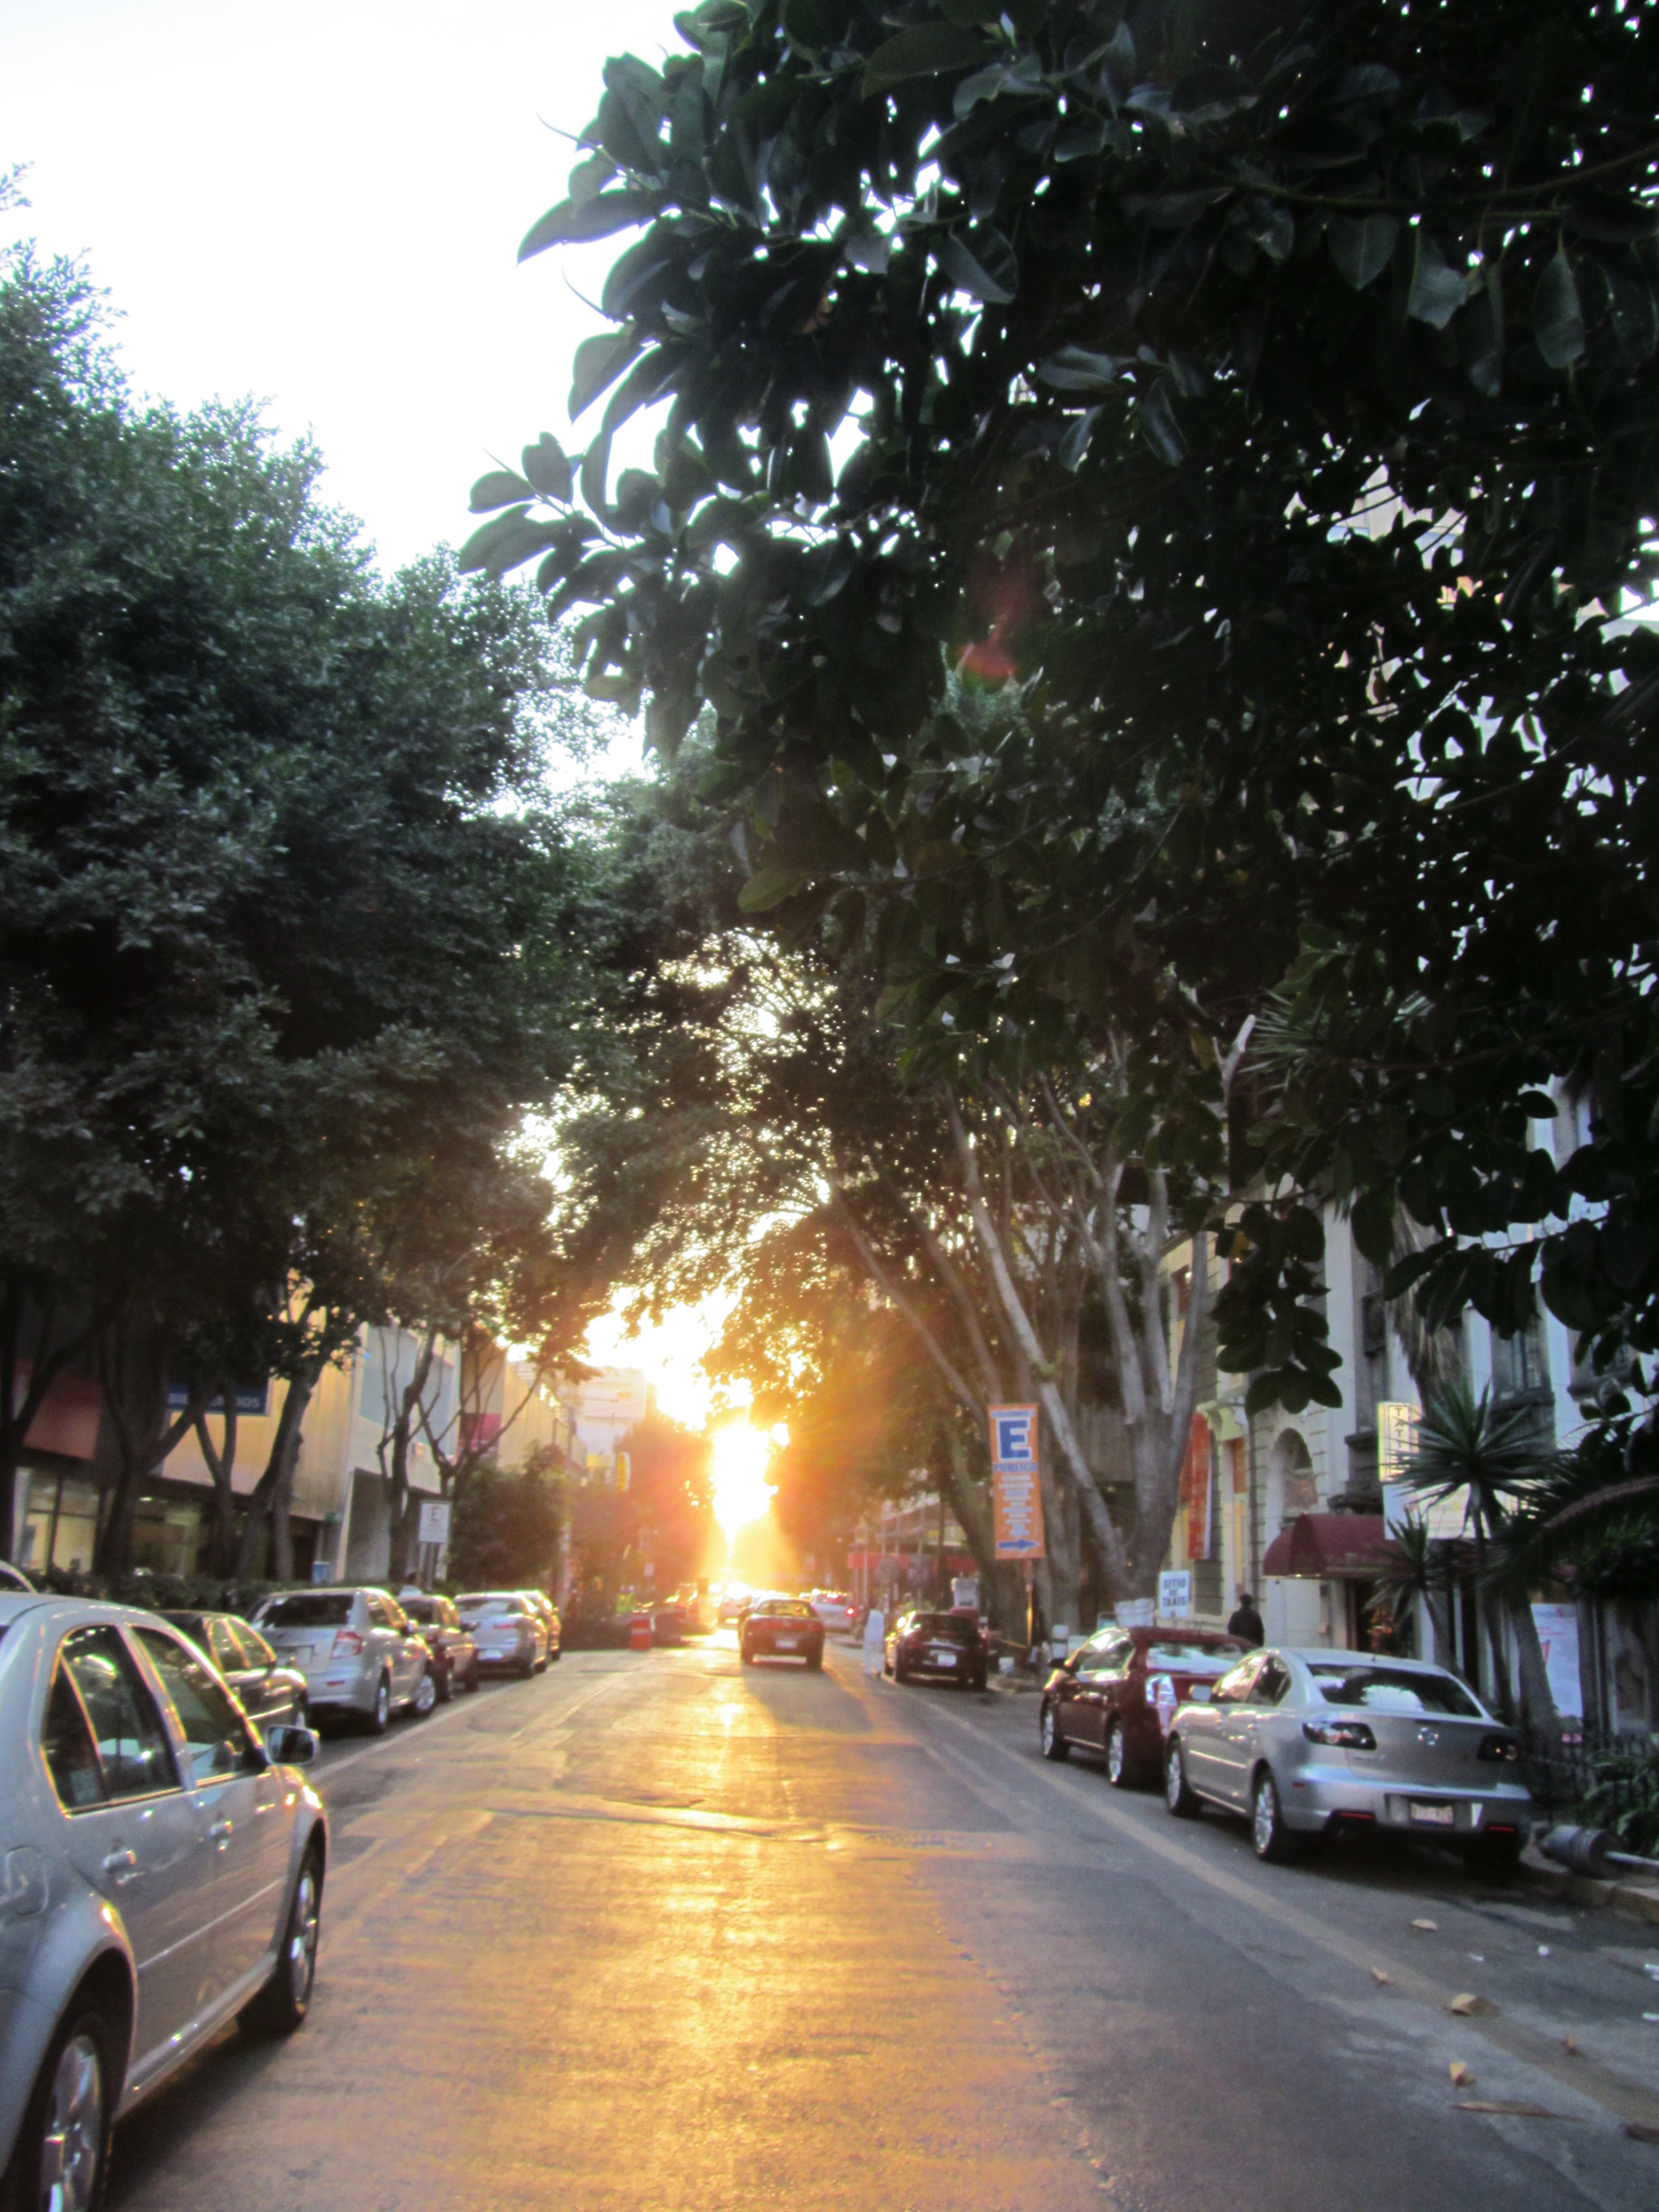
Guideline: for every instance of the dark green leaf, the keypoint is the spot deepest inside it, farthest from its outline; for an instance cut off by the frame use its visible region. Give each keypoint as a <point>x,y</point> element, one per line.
<point>547,468</point>
<point>499,489</point>
<point>1437,291</point>
<point>769,887</point>
<point>1373,1226</point>
<point>924,49</point>
<point>506,542</point>
<point>577,223</point>
<point>1557,320</point>
<point>599,362</point>
<point>1362,246</point>
<point>983,265</point>
<point>1158,426</point>
<point>1074,368</point>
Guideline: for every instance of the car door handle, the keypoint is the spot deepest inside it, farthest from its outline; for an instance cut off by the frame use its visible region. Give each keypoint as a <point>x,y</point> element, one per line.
<point>220,1830</point>
<point>119,1863</point>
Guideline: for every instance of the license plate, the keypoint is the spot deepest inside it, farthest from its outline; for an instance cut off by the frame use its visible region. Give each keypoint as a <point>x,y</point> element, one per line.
<point>944,1658</point>
<point>1433,1816</point>
<point>786,1643</point>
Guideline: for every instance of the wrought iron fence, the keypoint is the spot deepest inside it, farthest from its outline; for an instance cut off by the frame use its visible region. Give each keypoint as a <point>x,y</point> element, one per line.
<point>1604,1780</point>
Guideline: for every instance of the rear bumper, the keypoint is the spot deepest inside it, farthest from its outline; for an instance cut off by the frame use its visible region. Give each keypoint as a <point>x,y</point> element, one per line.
<point>1321,1797</point>
<point>348,1689</point>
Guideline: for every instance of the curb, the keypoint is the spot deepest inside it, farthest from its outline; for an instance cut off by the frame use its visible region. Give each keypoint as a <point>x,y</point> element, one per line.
<point>1636,1900</point>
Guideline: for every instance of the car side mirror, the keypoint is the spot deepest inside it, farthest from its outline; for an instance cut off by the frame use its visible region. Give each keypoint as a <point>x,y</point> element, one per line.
<point>290,1746</point>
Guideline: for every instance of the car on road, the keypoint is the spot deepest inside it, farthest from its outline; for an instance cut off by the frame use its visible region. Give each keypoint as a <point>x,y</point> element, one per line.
<point>362,1657</point>
<point>942,1646</point>
<point>735,1601</point>
<point>836,1609</point>
<point>510,1634</point>
<point>162,1874</point>
<point>1114,1693</point>
<point>269,1692</point>
<point>541,1604</point>
<point>1307,1742</point>
<point>780,1628</point>
<point>454,1662</point>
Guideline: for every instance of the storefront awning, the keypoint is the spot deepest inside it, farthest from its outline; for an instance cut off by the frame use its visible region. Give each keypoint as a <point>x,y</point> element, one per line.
<point>1330,1547</point>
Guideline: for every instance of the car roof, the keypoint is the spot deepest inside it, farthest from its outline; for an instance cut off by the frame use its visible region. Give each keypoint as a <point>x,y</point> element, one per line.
<point>1316,1655</point>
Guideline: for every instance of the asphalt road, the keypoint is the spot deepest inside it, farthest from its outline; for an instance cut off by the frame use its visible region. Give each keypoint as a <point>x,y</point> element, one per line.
<point>663,1934</point>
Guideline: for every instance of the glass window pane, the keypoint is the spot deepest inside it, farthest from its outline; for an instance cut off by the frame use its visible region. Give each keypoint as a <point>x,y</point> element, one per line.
<point>223,1646</point>
<point>260,1653</point>
<point>132,1744</point>
<point>213,1730</point>
<point>66,1740</point>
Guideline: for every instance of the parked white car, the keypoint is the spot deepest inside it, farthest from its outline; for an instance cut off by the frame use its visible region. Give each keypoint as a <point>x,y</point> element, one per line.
<point>361,1654</point>
<point>161,1872</point>
<point>836,1609</point>
<point>1303,1742</point>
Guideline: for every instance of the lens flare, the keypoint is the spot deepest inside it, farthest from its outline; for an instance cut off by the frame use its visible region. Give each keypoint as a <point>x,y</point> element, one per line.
<point>742,1493</point>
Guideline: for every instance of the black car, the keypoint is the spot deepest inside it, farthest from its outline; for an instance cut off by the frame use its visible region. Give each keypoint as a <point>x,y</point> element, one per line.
<point>781,1628</point>
<point>948,1646</point>
<point>454,1663</point>
<point>271,1693</point>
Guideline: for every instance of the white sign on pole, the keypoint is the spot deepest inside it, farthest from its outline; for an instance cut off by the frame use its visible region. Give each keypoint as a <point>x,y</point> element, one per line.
<point>435,1521</point>
<point>1135,1612</point>
<point>1174,1592</point>
<point>965,1592</point>
<point>1558,1633</point>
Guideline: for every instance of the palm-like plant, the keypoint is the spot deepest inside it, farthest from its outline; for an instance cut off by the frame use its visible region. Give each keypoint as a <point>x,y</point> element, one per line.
<point>1488,1455</point>
<point>1418,1579</point>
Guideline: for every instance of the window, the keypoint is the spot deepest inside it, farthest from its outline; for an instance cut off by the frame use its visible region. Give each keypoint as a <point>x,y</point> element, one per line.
<point>1233,1689</point>
<point>312,1609</point>
<point>1396,1690</point>
<point>1271,1683</point>
<point>215,1732</point>
<point>260,1653</point>
<point>130,1741</point>
<point>1104,1658</point>
<point>380,1612</point>
<point>223,1643</point>
<point>71,1757</point>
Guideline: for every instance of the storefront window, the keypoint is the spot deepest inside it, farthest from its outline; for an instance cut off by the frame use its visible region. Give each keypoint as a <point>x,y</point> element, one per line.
<point>61,1526</point>
<point>166,1535</point>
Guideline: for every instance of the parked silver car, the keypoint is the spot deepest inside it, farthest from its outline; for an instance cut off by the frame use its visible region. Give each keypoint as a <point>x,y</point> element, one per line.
<point>509,1633</point>
<point>358,1649</point>
<point>160,1871</point>
<point>1303,1742</point>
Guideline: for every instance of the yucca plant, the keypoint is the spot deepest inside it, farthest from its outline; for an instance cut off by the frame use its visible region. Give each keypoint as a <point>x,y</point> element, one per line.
<point>1418,1579</point>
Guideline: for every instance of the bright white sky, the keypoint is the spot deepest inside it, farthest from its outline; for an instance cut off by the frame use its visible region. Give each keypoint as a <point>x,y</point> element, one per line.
<point>319,204</point>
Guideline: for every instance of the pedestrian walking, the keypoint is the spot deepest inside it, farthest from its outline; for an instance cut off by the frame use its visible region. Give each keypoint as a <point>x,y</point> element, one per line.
<point>875,1640</point>
<point>1247,1621</point>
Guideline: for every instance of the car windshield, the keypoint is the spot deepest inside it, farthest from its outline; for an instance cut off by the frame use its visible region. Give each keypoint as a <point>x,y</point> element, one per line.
<point>784,1608</point>
<point>1396,1690</point>
<point>309,1609</point>
<point>1192,1658</point>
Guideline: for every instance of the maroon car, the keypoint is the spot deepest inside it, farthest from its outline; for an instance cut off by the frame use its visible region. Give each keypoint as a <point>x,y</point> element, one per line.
<point>781,1628</point>
<point>1105,1697</point>
<point>948,1646</point>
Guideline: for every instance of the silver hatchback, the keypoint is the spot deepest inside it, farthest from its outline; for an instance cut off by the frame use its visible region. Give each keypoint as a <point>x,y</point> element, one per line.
<point>160,1871</point>
<point>361,1654</point>
<point>1303,1742</point>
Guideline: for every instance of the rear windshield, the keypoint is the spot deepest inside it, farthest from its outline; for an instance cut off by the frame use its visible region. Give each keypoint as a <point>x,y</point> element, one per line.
<point>490,1608</point>
<point>784,1608</point>
<point>1393,1690</point>
<point>421,1608</point>
<point>947,1627</point>
<point>1192,1658</point>
<point>307,1609</point>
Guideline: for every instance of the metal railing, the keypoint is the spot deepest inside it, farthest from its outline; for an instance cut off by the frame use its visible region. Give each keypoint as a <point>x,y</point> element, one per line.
<point>1604,1780</point>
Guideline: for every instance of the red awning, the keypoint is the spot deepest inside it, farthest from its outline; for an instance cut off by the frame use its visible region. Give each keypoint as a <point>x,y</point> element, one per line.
<point>1330,1547</point>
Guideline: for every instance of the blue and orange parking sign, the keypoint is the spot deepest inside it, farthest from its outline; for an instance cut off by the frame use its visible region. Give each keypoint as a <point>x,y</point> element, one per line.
<point>1014,1482</point>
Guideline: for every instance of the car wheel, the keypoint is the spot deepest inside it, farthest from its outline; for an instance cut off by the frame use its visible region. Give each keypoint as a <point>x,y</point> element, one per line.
<point>445,1682</point>
<point>1054,1745</point>
<point>815,1659</point>
<point>558,1652</point>
<point>1178,1794</point>
<point>285,2000</point>
<point>901,1672</point>
<point>746,1653</point>
<point>63,2146</point>
<point>472,1678</point>
<point>1270,1838</point>
<point>379,1713</point>
<point>1494,1858</point>
<point>425,1695</point>
<point>541,1664</point>
<point>1119,1767</point>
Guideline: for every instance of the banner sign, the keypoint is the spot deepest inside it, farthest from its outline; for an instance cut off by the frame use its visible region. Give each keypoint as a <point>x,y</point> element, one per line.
<point>1014,1482</point>
<point>253,1399</point>
<point>1175,1593</point>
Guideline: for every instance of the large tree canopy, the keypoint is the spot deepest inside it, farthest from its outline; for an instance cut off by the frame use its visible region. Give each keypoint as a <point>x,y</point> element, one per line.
<point>1268,394</point>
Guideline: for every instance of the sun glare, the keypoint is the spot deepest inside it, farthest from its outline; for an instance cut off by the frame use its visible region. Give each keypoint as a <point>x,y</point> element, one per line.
<point>742,1493</point>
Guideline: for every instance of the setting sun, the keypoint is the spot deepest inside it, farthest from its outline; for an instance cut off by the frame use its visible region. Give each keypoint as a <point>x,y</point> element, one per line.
<point>742,1493</point>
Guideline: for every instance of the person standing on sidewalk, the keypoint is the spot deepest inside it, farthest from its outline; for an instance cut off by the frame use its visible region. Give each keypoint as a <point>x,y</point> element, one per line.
<point>1247,1621</point>
<point>875,1640</point>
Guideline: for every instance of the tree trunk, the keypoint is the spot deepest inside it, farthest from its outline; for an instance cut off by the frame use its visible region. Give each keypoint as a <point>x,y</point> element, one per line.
<point>135,1379</point>
<point>1538,1712</point>
<point>284,1450</point>
<point>401,1438</point>
<point>222,1466</point>
<point>17,1413</point>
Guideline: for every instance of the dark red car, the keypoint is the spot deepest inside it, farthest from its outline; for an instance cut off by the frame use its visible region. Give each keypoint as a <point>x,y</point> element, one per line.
<point>1105,1697</point>
<point>781,1628</point>
<point>949,1646</point>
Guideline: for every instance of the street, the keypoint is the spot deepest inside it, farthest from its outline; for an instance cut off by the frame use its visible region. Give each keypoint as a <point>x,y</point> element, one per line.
<point>658,1932</point>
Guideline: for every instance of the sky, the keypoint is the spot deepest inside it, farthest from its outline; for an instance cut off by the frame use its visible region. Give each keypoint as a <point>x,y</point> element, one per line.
<point>320,205</point>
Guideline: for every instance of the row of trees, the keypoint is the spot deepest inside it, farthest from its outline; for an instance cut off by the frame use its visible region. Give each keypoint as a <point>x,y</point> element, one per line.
<point>298,950</point>
<point>1150,523</point>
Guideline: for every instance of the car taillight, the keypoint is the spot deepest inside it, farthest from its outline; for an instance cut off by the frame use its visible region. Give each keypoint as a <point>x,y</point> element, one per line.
<point>1506,1748</point>
<point>347,1642</point>
<point>1350,1736</point>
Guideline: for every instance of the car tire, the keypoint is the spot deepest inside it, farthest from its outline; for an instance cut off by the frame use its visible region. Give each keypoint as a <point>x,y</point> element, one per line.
<point>1494,1858</point>
<point>527,1668</point>
<point>282,2005</point>
<point>1179,1795</point>
<point>379,1716</point>
<point>424,1695</point>
<point>1119,1767</point>
<point>558,1652</point>
<point>444,1682</point>
<point>473,1678</point>
<point>541,1664</point>
<point>747,1654</point>
<point>814,1660</point>
<point>901,1672</point>
<point>1271,1838</point>
<point>69,2113</point>
<point>1054,1745</point>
